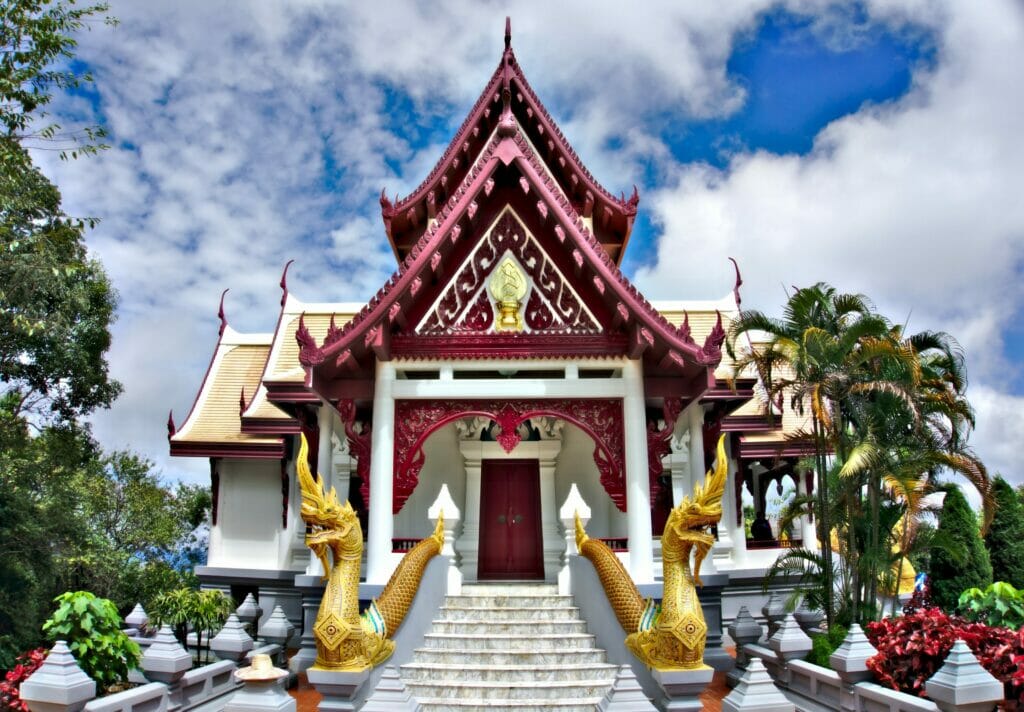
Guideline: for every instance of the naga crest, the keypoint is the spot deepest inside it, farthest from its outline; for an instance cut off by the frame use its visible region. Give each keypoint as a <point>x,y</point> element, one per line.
<point>329,520</point>
<point>705,509</point>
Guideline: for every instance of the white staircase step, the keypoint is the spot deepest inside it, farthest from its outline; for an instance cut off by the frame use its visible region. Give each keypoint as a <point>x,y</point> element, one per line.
<point>476,656</point>
<point>509,588</point>
<point>509,627</point>
<point>503,613</point>
<point>518,600</point>
<point>467,671</point>
<point>484,705</point>
<point>487,641</point>
<point>508,691</point>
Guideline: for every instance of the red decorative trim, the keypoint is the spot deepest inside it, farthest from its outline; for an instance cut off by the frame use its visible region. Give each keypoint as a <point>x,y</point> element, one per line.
<point>739,282</point>
<point>659,442</point>
<point>214,490</point>
<point>290,392</point>
<point>230,449</point>
<point>711,352</point>
<point>757,450</point>
<point>284,492</point>
<point>284,282</point>
<point>480,316</point>
<point>508,346</point>
<point>601,419</point>
<point>309,352</point>
<point>358,445</point>
<point>271,426</point>
<point>171,429</point>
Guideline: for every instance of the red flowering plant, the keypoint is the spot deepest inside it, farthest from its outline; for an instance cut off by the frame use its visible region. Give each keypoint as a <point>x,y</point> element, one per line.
<point>26,664</point>
<point>913,647</point>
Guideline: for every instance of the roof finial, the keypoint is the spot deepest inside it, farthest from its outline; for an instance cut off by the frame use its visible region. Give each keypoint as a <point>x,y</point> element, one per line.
<point>508,32</point>
<point>739,281</point>
<point>171,429</point>
<point>284,282</point>
<point>221,315</point>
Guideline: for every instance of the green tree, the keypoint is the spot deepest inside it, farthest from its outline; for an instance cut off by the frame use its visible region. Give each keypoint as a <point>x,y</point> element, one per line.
<point>92,628</point>
<point>1005,537</point>
<point>964,563</point>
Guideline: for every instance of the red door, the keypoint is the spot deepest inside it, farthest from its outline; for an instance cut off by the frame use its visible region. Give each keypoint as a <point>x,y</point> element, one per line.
<point>510,534</point>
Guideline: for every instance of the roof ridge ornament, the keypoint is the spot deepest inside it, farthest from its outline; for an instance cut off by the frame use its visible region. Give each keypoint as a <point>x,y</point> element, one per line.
<point>508,32</point>
<point>171,427</point>
<point>739,282</point>
<point>220,314</point>
<point>284,282</point>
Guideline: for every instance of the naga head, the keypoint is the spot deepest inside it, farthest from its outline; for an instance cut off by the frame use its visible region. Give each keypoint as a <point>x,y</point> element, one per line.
<point>321,510</point>
<point>705,509</point>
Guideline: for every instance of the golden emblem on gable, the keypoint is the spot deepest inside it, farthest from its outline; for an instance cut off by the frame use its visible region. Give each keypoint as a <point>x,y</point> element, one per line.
<point>508,287</point>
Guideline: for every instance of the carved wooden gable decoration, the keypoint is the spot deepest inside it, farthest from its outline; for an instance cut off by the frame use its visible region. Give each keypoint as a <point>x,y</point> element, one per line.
<point>468,304</point>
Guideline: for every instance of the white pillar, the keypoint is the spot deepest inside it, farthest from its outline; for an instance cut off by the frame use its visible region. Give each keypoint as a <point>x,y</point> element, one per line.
<point>638,486</point>
<point>325,423</point>
<point>695,414</point>
<point>468,544</point>
<point>382,467</point>
<point>573,506</point>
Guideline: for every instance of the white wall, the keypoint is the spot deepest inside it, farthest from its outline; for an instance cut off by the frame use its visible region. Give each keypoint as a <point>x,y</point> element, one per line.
<point>443,465</point>
<point>248,516</point>
<point>576,464</point>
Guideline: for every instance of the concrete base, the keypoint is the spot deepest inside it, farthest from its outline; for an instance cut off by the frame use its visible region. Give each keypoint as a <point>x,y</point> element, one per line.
<point>261,696</point>
<point>682,688</point>
<point>338,688</point>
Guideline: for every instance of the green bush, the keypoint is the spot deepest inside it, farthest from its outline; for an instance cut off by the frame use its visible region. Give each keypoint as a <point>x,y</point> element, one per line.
<point>999,605</point>
<point>962,561</point>
<point>92,628</point>
<point>185,607</point>
<point>1005,537</point>
<point>822,646</point>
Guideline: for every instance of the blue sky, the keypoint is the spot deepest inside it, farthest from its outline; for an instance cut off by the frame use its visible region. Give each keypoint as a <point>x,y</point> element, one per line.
<point>874,146</point>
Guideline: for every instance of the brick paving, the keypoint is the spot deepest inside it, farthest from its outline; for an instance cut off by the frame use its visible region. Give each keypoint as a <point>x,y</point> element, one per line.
<point>308,698</point>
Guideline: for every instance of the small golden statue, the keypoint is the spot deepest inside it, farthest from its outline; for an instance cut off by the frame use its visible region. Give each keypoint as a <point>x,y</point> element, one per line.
<point>346,640</point>
<point>672,636</point>
<point>508,287</point>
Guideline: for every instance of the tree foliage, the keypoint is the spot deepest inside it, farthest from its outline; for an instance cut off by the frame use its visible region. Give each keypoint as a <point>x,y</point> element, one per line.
<point>92,628</point>
<point>967,566</point>
<point>1005,538</point>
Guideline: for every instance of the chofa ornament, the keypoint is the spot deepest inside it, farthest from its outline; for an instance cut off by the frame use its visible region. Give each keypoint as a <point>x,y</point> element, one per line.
<point>346,640</point>
<point>671,636</point>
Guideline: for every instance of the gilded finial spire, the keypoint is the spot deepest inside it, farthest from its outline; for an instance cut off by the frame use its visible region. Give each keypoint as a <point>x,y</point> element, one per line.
<point>508,32</point>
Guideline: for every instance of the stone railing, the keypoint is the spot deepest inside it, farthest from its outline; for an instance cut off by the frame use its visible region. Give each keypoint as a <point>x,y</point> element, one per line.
<point>776,677</point>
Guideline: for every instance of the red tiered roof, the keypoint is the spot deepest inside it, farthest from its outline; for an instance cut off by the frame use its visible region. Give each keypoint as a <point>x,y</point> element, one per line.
<point>406,220</point>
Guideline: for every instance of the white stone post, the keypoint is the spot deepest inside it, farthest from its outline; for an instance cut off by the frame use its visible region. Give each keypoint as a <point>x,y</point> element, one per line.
<point>445,505</point>
<point>59,685</point>
<point>695,416</point>
<point>382,467</point>
<point>679,466</point>
<point>638,486</point>
<point>572,506</point>
<point>469,541</point>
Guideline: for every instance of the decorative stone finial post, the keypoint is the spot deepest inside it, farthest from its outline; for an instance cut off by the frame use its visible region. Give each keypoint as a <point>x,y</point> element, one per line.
<point>743,630</point>
<point>789,642</point>
<point>774,611</point>
<point>962,684</point>
<point>165,660</point>
<point>276,631</point>
<point>137,619</point>
<point>573,504</point>
<point>391,694</point>
<point>445,505</point>
<point>59,685</point>
<point>755,692</point>
<point>249,613</point>
<point>232,642</point>
<point>261,691</point>
<point>850,658</point>
<point>626,694</point>
<point>808,618</point>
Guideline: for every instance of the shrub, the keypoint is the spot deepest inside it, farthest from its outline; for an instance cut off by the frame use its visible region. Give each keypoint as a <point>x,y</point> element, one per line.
<point>1005,537</point>
<point>92,628</point>
<point>913,647</point>
<point>184,607</point>
<point>962,562</point>
<point>999,605</point>
<point>822,646</point>
<point>25,665</point>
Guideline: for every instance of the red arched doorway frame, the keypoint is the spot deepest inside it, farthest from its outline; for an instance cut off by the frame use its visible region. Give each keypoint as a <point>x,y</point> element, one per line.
<point>600,418</point>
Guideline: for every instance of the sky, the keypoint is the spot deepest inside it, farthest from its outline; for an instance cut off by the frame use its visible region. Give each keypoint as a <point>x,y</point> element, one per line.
<point>874,146</point>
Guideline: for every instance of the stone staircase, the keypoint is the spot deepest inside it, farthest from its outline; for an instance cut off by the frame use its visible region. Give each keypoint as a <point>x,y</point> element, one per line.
<point>508,646</point>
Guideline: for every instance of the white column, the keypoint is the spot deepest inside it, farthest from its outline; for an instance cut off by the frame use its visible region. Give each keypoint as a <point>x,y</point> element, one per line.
<point>468,544</point>
<point>638,486</point>
<point>382,467</point>
<point>325,423</point>
<point>547,452</point>
<point>695,414</point>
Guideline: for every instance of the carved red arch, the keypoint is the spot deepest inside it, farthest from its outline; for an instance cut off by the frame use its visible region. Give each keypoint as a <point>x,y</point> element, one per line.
<point>600,418</point>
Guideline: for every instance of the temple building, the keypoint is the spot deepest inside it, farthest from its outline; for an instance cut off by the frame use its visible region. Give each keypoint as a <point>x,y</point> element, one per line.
<point>507,360</point>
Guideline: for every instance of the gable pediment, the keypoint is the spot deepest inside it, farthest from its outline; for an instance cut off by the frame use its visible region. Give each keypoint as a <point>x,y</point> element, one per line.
<point>550,304</point>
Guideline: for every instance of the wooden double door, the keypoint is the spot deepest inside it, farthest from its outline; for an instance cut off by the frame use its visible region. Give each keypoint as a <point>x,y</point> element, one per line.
<point>510,521</point>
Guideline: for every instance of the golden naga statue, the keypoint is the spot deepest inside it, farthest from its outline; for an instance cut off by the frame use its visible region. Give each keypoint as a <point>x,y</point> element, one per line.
<point>672,636</point>
<point>346,640</point>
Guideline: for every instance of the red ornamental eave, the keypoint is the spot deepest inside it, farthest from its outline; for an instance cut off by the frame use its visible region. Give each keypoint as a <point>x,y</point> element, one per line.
<point>613,216</point>
<point>648,333</point>
<point>231,449</point>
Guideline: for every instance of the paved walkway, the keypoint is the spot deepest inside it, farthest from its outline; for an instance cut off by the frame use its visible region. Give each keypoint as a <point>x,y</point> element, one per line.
<point>308,698</point>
